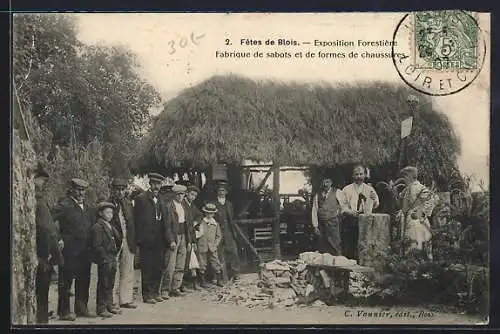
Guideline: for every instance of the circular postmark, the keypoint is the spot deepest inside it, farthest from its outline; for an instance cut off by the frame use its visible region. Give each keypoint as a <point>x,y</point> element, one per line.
<point>438,52</point>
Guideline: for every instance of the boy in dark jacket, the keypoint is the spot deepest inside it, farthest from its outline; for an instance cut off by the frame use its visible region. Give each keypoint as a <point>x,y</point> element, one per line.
<point>105,241</point>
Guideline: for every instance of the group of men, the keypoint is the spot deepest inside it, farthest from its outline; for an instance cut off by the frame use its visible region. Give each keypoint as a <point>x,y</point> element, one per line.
<point>335,212</point>
<point>162,226</point>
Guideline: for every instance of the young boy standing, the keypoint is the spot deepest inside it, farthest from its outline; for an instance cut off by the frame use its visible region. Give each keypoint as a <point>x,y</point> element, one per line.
<point>105,242</point>
<point>209,236</point>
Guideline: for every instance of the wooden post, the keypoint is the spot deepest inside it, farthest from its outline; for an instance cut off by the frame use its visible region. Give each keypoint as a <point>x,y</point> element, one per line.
<point>277,207</point>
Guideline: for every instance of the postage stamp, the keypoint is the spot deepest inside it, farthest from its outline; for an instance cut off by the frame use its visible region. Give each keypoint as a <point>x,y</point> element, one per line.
<point>438,52</point>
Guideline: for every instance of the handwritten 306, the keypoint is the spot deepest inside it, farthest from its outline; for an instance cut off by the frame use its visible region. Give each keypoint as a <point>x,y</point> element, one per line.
<point>182,42</point>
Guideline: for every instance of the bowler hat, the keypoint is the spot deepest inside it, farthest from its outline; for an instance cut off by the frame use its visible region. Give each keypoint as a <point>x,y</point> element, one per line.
<point>79,183</point>
<point>209,208</point>
<point>103,205</point>
<point>119,182</point>
<point>156,177</point>
<point>221,184</point>
<point>179,189</point>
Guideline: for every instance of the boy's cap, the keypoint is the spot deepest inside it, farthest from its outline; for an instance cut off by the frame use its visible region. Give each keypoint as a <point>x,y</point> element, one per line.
<point>79,183</point>
<point>193,188</point>
<point>209,208</point>
<point>179,189</point>
<point>103,205</point>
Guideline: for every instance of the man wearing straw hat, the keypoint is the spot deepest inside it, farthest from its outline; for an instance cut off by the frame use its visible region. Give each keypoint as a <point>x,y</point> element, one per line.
<point>149,217</point>
<point>123,221</point>
<point>178,240</point>
<point>75,219</point>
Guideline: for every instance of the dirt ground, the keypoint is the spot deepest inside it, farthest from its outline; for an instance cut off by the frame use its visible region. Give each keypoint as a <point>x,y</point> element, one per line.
<point>196,308</point>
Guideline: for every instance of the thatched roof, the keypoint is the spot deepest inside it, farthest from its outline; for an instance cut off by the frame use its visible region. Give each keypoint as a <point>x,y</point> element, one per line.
<point>231,118</point>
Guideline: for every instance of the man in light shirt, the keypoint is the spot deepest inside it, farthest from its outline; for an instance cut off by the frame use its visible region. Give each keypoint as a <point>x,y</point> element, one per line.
<point>326,210</point>
<point>178,240</point>
<point>359,198</point>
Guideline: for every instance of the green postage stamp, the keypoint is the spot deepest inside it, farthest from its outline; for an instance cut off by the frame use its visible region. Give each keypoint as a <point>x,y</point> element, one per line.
<point>445,40</point>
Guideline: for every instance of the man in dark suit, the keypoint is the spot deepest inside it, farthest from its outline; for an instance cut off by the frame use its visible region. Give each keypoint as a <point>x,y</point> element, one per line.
<point>149,217</point>
<point>228,248</point>
<point>75,219</point>
<point>178,239</point>
<point>123,221</point>
<point>48,251</point>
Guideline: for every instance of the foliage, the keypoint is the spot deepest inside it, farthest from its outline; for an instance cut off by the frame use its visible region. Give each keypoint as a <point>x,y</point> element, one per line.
<point>77,92</point>
<point>86,163</point>
<point>231,118</point>
<point>457,275</point>
<point>85,106</point>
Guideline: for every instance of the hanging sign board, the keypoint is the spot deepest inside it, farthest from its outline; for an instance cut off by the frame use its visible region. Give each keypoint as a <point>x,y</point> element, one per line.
<point>406,127</point>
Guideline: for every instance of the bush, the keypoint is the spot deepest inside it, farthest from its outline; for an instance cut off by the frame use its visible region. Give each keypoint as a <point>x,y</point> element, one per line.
<point>86,163</point>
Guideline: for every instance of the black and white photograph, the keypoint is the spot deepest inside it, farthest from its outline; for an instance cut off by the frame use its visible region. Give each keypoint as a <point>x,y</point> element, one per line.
<point>250,168</point>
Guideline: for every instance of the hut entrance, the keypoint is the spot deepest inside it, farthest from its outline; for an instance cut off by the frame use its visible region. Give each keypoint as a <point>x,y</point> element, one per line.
<point>273,214</point>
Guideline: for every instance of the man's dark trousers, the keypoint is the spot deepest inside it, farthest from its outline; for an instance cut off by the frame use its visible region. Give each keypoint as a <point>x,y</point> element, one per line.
<point>152,260</point>
<point>77,269</point>
<point>43,275</point>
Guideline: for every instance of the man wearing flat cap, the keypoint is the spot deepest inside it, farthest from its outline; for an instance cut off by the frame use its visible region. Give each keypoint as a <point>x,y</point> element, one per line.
<point>123,221</point>
<point>150,222</point>
<point>47,248</point>
<point>166,193</point>
<point>75,220</point>
<point>228,248</point>
<point>179,239</point>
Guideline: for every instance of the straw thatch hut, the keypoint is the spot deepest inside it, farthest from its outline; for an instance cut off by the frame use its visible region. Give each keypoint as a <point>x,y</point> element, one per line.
<point>231,118</point>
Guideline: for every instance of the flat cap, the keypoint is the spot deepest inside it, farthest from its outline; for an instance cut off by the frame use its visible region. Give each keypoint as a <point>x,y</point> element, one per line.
<point>103,205</point>
<point>156,177</point>
<point>193,188</point>
<point>179,189</point>
<point>79,183</point>
<point>119,182</point>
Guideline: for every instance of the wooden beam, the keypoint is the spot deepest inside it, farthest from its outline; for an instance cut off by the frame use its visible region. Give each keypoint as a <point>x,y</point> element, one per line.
<point>277,207</point>
<point>247,242</point>
<point>249,201</point>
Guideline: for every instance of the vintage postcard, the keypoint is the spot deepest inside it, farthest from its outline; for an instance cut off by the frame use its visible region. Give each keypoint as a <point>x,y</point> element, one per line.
<point>251,168</point>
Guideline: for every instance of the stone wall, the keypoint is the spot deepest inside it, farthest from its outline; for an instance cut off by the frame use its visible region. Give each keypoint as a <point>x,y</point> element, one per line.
<point>23,241</point>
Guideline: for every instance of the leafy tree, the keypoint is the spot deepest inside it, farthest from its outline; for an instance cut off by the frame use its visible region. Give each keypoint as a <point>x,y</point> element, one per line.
<point>79,93</point>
